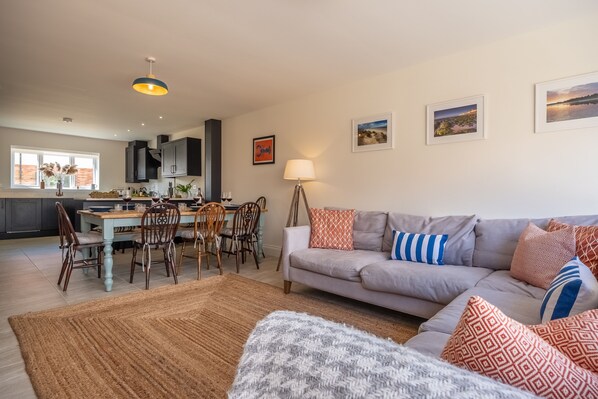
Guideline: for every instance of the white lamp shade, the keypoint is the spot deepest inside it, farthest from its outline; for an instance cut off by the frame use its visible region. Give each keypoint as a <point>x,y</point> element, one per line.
<point>299,169</point>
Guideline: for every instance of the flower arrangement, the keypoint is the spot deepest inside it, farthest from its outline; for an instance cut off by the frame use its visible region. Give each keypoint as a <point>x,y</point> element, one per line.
<point>53,169</point>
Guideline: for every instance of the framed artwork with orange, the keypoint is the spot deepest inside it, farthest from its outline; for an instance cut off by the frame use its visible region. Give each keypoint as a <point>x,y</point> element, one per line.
<point>263,150</point>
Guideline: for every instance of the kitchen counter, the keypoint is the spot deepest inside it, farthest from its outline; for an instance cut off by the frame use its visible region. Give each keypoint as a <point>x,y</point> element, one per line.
<point>134,199</point>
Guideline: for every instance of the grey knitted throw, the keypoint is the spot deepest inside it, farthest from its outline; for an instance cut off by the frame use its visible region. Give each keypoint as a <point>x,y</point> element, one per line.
<point>294,355</point>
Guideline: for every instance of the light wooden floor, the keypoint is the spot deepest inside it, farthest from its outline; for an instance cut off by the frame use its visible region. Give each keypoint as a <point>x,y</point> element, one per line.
<point>29,270</point>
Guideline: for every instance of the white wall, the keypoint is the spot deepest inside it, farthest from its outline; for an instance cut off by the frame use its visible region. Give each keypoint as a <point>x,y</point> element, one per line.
<point>513,173</point>
<point>112,159</point>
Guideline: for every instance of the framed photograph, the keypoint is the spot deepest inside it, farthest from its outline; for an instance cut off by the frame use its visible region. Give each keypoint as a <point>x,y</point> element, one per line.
<point>456,120</point>
<point>569,103</point>
<point>372,133</point>
<point>263,150</point>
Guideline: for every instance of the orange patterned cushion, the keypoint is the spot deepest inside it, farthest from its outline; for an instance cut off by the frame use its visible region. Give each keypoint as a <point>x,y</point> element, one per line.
<point>576,337</point>
<point>332,228</point>
<point>586,246</point>
<point>488,342</point>
<point>540,255</point>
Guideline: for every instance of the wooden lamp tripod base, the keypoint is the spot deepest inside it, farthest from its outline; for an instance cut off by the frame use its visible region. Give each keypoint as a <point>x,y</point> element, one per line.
<point>294,211</point>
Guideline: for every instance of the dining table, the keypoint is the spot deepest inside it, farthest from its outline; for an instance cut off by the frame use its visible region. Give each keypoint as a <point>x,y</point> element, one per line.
<point>111,220</point>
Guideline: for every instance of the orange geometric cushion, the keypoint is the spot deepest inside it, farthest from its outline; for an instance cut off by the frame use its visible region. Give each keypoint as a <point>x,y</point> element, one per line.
<point>540,255</point>
<point>332,228</point>
<point>576,337</point>
<point>586,243</point>
<point>488,342</point>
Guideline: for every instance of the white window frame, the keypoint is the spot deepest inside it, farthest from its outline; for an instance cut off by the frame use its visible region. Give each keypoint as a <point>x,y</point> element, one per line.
<point>69,182</point>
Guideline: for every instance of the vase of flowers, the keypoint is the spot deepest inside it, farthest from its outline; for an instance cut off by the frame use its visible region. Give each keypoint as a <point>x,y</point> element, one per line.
<point>54,170</point>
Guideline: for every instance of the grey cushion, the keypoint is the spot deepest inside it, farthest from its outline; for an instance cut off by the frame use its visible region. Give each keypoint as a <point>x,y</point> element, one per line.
<point>496,239</point>
<point>501,280</point>
<point>461,240</point>
<point>186,234</point>
<point>523,309</point>
<point>90,238</point>
<point>345,265</point>
<point>440,284</point>
<point>368,230</point>
<point>430,343</point>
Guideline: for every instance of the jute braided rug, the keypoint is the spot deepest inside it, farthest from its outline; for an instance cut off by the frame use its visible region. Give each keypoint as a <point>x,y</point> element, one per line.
<point>175,341</point>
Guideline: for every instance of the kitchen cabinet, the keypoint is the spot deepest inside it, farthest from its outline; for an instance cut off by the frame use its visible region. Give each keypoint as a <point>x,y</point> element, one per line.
<point>49,215</point>
<point>23,215</point>
<point>181,157</point>
<point>2,215</point>
<point>140,166</point>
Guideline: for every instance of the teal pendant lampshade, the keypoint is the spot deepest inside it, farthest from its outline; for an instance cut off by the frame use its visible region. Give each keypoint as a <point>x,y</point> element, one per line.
<point>149,84</point>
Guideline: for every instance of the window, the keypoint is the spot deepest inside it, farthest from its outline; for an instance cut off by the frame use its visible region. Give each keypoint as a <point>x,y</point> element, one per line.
<point>27,161</point>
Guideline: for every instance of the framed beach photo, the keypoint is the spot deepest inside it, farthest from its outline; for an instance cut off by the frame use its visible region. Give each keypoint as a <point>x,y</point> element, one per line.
<point>263,150</point>
<point>455,121</point>
<point>372,133</point>
<point>569,103</point>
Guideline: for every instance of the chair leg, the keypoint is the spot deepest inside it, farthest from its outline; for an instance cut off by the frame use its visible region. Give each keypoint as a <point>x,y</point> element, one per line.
<point>166,264</point>
<point>64,266</point>
<point>99,260</point>
<point>199,253</point>
<point>170,262</point>
<point>133,260</point>
<point>178,268</point>
<point>254,253</point>
<point>237,255</point>
<point>148,266</point>
<point>219,260</point>
<point>69,270</point>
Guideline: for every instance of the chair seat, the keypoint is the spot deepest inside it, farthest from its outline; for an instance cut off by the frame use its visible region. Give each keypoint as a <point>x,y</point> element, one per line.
<point>90,238</point>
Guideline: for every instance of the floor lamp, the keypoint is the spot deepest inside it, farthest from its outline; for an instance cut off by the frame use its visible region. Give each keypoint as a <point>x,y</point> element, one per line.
<point>297,169</point>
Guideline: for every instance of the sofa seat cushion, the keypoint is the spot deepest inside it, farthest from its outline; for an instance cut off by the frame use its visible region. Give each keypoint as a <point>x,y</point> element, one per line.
<point>429,342</point>
<point>336,263</point>
<point>501,280</point>
<point>522,308</point>
<point>440,284</point>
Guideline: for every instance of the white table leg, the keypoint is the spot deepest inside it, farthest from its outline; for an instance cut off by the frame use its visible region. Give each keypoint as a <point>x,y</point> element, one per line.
<point>108,232</point>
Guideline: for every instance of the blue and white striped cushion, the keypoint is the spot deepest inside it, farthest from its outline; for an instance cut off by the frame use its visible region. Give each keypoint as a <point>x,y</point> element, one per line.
<point>573,290</point>
<point>422,248</point>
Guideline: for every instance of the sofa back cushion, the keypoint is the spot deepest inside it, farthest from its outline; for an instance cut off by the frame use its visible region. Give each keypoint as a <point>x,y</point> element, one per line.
<point>496,239</point>
<point>368,229</point>
<point>461,237</point>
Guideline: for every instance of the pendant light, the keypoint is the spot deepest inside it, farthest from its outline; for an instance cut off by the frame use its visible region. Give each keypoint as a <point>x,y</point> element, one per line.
<point>149,84</point>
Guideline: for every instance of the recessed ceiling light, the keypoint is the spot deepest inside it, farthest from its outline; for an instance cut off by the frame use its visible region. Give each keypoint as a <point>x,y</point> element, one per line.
<point>142,124</point>
<point>160,117</point>
<point>67,119</point>
<point>128,130</point>
<point>115,135</point>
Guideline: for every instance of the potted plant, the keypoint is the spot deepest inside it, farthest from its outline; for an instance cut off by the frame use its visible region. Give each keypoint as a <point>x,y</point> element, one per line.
<point>185,188</point>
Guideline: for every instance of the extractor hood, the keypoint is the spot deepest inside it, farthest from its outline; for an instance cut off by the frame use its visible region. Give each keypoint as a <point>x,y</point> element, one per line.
<point>156,153</point>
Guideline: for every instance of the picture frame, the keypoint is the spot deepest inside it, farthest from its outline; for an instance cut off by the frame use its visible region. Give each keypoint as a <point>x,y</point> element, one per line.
<point>568,103</point>
<point>264,150</point>
<point>372,133</point>
<point>456,120</point>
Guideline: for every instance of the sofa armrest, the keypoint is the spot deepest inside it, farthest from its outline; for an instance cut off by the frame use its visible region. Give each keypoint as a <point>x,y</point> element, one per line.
<point>293,239</point>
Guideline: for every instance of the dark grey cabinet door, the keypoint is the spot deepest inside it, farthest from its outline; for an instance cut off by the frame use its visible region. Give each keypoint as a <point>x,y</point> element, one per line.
<point>23,214</point>
<point>2,215</point>
<point>181,157</point>
<point>49,213</point>
<point>131,164</point>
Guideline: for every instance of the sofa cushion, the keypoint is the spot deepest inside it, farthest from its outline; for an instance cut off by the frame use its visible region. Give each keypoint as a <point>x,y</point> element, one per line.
<point>490,343</point>
<point>496,239</point>
<point>575,336</point>
<point>524,309</point>
<point>461,238</point>
<point>332,229</point>
<point>335,263</point>
<point>501,280</point>
<point>421,248</point>
<point>586,243</point>
<point>429,342</point>
<point>368,230</point>
<point>573,290</point>
<point>540,255</point>
<point>440,284</point>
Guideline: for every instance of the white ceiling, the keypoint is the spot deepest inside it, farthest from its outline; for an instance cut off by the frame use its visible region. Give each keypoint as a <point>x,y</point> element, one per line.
<point>220,58</point>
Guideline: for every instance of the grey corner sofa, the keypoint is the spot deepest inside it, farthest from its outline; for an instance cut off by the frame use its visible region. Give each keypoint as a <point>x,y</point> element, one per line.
<point>477,260</point>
